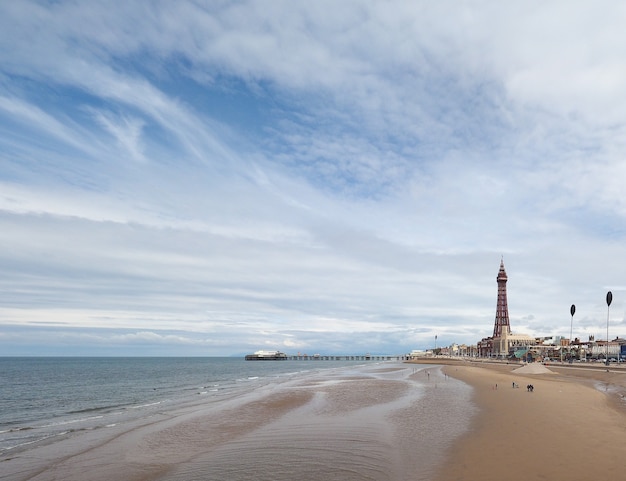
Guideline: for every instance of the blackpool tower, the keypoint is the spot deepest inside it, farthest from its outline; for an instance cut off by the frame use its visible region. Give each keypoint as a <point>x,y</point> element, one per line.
<point>501,326</point>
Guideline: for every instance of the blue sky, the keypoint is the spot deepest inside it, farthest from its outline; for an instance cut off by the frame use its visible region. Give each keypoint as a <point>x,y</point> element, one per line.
<point>213,178</point>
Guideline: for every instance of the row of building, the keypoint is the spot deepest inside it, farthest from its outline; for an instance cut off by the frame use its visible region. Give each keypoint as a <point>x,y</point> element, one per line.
<point>503,344</point>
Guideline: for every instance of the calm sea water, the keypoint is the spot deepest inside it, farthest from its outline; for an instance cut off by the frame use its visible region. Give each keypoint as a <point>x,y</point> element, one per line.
<point>44,398</point>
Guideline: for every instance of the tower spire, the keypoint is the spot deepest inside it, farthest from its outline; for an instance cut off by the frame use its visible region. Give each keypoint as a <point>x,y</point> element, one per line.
<point>501,325</point>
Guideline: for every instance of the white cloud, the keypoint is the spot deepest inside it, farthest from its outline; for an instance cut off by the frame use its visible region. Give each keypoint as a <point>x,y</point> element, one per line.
<point>127,132</point>
<point>308,175</point>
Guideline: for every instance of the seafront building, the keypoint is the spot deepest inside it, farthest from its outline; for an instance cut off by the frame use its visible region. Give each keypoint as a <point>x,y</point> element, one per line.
<point>504,344</point>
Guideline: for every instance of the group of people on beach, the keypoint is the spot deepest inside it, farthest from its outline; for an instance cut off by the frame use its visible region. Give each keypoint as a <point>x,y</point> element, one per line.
<point>529,387</point>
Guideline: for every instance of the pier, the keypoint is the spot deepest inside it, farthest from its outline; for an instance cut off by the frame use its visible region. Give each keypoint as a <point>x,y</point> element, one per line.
<point>367,357</point>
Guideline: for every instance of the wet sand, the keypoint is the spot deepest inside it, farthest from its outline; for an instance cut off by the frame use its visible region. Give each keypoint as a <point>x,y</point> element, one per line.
<point>147,448</point>
<point>388,423</point>
<point>382,426</point>
<point>571,426</point>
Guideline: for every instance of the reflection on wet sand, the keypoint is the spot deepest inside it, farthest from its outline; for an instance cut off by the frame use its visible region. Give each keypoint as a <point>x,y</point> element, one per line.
<point>357,428</point>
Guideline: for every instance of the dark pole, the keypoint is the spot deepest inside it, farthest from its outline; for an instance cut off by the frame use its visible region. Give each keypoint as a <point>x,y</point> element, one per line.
<point>572,310</point>
<point>609,299</point>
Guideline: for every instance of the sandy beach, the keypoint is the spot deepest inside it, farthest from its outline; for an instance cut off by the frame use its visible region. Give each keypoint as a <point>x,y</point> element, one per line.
<point>447,421</point>
<point>571,426</point>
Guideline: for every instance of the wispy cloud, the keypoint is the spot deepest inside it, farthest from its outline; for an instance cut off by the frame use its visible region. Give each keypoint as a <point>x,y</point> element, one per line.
<point>312,176</point>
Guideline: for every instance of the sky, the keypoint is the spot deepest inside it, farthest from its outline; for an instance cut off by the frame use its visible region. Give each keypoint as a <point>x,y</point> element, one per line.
<point>211,178</point>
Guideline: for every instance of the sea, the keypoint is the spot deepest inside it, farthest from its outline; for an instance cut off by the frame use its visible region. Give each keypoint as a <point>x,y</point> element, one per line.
<point>45,402</point>
<point>46,397</point>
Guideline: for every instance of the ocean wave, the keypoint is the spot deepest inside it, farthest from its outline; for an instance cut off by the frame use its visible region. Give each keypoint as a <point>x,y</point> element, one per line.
<point>71,421</point>
<point>17,429</point>
<point>95,409</point>
<point>156,403</point>
<point>33,441</point>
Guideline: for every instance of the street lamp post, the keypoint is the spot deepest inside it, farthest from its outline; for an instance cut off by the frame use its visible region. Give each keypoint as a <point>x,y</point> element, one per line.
<point>609,299</point>
<point>572,310</point>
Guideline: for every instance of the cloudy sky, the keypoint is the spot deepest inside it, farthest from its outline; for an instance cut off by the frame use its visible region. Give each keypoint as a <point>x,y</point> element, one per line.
<point>217,177</point>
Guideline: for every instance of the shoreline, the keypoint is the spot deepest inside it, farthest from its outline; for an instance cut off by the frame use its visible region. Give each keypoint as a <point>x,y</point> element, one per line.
<point>567,427</point>
<point>442,420</point>
<point>382,422</point>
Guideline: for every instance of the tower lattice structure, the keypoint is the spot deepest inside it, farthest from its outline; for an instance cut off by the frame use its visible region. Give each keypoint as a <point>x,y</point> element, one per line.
<point>501,325</point>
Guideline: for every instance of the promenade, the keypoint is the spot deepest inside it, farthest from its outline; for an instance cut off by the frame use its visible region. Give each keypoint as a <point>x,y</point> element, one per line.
<point>345,357</point>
